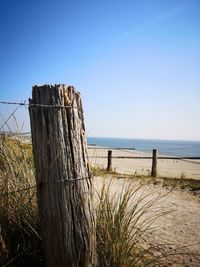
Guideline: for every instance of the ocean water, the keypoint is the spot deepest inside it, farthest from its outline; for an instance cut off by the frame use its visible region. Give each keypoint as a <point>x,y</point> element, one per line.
<point>166,147</point>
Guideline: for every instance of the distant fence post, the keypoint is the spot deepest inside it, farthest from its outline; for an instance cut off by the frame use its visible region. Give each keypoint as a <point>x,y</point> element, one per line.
<point>154,163</point>
<point>109,164</point>
<point>64,186</point>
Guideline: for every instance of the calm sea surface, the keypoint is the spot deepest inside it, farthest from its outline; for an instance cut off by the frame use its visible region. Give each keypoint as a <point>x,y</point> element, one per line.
<point>167,147</point>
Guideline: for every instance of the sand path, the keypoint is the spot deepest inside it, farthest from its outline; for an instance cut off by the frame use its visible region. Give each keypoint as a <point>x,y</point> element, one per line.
<point>180,227</point>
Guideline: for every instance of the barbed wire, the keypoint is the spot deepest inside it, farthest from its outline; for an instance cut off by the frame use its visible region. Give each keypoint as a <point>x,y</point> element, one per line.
<point>18,191</point>
<point>42,184</point>
<point>181,158</point>
<point>23,103</point>
<point>38,105</point>
<point>14,103</point>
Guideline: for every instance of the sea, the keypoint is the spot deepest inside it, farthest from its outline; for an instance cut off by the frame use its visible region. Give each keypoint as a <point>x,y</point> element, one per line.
<point>165,147</point>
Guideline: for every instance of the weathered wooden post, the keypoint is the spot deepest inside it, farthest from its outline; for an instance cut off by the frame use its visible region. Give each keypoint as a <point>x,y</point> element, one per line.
<point>64,185</point>
<point>109,164</point>
<point>154,163</point>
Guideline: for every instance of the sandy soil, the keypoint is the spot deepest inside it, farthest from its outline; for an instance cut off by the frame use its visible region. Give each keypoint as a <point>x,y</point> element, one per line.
<point>166,167</point>
<point>180,227</point>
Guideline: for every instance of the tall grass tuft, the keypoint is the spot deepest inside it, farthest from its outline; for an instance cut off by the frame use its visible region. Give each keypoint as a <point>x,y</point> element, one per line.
<point>19,224</point>
<point>124,224</point>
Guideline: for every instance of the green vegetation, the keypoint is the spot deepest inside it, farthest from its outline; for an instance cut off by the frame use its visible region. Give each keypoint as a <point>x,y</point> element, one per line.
<point>183,176</point>
<point>182,183</point>
<point>192,185</point>
<point>99,171</point>
<point>20,236</point>
<point>124,223</point>
<point>123,220</point>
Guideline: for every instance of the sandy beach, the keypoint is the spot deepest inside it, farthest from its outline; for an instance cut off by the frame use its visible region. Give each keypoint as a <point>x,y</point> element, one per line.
<point>166,167</point>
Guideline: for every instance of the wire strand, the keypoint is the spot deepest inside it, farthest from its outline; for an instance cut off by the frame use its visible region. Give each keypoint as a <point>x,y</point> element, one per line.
<point>38,105</point>
<point>42,184</point>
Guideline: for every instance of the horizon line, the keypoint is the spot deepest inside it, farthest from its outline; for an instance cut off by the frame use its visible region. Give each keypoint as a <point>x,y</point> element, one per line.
<point>143,138</point>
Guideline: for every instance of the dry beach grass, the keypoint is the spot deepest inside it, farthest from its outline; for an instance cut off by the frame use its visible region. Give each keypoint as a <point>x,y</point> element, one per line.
<point>127,216</point>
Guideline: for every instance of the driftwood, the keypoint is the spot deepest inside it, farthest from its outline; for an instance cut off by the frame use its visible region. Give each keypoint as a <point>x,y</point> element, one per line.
<point>64,185</point>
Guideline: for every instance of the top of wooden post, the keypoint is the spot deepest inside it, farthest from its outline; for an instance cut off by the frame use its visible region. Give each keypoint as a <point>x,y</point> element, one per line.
<point>57,94</point>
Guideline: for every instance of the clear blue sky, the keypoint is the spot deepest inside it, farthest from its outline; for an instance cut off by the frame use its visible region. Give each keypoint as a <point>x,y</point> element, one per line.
<point>136,63</point>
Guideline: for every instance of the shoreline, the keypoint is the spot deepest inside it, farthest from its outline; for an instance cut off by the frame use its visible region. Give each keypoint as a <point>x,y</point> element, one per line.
<point>176,148</point>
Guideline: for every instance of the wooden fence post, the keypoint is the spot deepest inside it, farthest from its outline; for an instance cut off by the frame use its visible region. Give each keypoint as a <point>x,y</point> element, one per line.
<point>64,185</point>
<point>154,163</point>
<point>109,165</point>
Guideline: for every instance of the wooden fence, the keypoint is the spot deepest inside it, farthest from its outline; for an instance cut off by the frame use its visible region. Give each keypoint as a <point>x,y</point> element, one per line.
<point>154,158</point>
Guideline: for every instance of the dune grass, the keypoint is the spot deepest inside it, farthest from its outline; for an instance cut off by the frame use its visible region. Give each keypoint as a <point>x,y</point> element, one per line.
<point>124,219</point>
<point>19,224</point>
<point>125,224</point>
